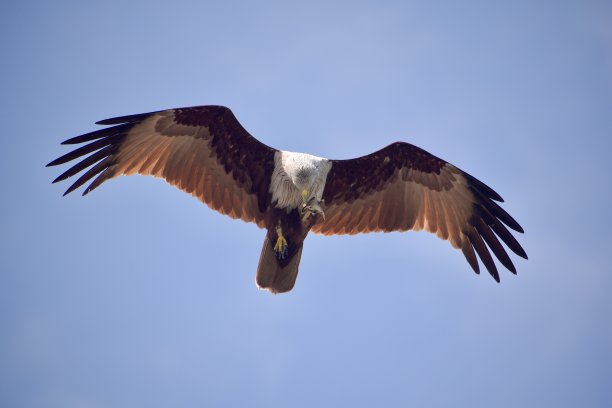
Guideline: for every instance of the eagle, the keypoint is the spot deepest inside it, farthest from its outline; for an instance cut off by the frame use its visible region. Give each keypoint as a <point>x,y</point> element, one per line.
<point>206,152</point>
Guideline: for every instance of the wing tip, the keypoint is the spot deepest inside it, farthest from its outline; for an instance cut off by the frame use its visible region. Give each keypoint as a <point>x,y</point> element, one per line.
<point>104,122</point>
<point>483,188</point>
<point>118,120</point>
<point>511,268</point>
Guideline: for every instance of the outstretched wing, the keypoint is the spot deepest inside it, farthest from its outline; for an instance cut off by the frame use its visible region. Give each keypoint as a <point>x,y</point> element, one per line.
<point>202,150</point>
<point>403,187</point>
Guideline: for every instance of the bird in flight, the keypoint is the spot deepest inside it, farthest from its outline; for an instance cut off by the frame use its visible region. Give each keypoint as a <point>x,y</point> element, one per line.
<point>206,152</point>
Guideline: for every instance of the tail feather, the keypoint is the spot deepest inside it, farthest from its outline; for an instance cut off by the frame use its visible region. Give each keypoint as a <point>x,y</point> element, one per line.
<point>271,276</point>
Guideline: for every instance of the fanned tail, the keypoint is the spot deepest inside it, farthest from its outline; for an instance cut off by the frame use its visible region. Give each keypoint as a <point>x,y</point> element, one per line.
<point>270,275</point>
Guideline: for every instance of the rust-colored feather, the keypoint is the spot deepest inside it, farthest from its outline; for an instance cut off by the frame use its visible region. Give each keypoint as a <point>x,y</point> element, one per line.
<point>202,150</point>
<point>413,189</point>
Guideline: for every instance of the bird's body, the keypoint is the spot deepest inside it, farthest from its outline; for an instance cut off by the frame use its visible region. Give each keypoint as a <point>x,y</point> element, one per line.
<point>206,152</point>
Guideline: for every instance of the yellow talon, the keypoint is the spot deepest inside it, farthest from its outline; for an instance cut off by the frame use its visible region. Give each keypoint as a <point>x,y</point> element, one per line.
<point>281,244</point>
<point>304,195</point>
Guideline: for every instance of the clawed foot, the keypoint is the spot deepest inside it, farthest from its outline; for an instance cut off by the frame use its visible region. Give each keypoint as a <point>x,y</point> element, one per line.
<point>311,209</point>
<point>281,247</point>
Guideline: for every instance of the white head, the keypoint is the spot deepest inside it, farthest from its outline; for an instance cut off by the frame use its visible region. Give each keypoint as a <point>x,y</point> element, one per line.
<point>297,178</point>
<point>304,177</point>
<point>303,170</point>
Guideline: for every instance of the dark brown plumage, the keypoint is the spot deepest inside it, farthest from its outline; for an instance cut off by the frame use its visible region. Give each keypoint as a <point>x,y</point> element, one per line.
<point>402,187</point>
<point>205,151</point>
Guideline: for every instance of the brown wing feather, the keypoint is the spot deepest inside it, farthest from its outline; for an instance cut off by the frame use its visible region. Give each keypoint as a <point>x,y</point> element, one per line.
<point>403,187</point>
<point>202,150</point>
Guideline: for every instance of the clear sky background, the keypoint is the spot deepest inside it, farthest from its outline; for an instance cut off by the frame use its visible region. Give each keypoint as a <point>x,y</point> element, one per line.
<point>139,295</point>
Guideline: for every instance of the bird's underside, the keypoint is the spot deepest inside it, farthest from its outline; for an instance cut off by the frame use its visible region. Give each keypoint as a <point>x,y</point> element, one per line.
<point>205,152</point>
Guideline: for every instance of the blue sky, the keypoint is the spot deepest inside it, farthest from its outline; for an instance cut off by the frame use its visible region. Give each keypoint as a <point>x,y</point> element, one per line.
<point>138,295</point>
